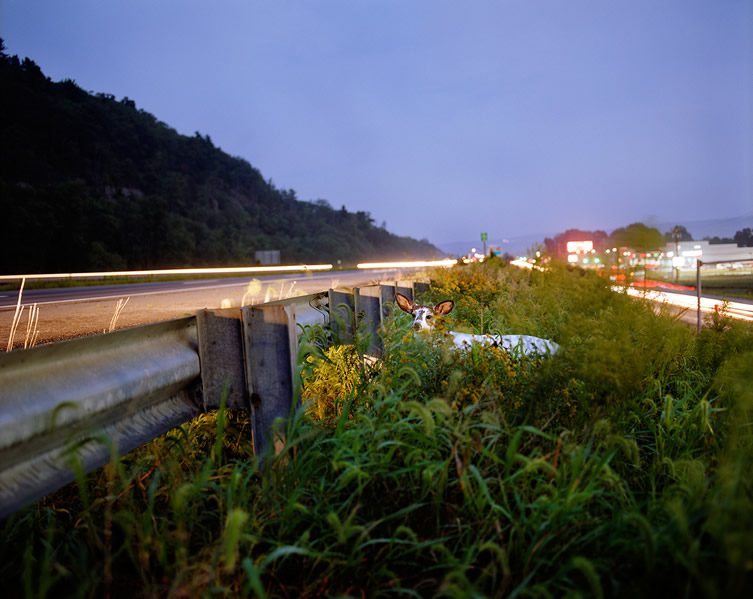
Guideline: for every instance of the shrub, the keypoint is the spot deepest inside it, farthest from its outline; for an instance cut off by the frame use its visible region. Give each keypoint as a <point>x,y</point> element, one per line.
<point>332,380</point>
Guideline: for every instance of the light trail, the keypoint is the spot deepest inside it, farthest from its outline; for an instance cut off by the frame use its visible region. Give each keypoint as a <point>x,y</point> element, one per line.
<point>418,264</point>
<point>172,271</point>
<point>117,296</point>
<point>739,310</point>
<point>525,264</point>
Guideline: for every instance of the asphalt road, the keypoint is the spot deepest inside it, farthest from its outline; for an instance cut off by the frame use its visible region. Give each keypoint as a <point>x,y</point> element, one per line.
<point>77,311</point>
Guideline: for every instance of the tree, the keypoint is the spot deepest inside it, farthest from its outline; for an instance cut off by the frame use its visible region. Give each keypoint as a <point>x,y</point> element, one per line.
<point>716,240</point>
<point>95,182</point>
<point>638,237</point>
<point>744,237</point>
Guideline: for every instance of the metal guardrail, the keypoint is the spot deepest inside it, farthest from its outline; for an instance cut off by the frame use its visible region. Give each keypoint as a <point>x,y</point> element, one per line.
<point>82,400</point>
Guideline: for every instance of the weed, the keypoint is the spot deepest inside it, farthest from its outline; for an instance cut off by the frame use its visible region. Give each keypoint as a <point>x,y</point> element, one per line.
<point>16,317</point>
<point>119,307</point>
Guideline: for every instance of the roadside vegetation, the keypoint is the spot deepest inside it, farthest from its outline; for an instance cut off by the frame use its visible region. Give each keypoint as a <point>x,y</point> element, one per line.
<point>622,466</point>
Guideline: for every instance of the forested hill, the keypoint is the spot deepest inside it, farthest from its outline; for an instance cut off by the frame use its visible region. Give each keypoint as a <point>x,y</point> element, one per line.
<point>88,182</point>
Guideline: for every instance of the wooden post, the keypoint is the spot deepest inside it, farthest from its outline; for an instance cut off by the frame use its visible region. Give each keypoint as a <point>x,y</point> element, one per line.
<point>420,287</point>
<point>270,352</point>
<point>341,315</point>
<point>386,297</point>
<point>221,357</point>
<point>406,291</point>
<point>368,311</point>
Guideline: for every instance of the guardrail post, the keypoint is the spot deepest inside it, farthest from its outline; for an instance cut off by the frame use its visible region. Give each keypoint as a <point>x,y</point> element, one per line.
<point>221,355</point>
<point>386,297</point>
<point>341,315</point>
<point>420,287</point>
<point>270,353</point>
<point>368,311</point>
<point>406,291</point>
<point>387,294</point>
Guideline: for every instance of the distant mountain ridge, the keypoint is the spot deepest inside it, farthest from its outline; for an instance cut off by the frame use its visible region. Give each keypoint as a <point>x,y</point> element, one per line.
<point>88,182</point>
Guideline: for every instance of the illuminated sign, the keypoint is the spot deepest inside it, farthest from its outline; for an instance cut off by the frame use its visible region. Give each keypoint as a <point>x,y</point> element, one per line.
<point>579,247</point>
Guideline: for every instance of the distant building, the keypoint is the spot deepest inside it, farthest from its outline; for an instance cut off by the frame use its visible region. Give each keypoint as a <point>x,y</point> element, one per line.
<point>686,253</point>
<point>267,257</point>
<point>582,253</point>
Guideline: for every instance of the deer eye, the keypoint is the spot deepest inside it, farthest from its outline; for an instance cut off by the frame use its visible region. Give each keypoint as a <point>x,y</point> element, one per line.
<point>428,317</point>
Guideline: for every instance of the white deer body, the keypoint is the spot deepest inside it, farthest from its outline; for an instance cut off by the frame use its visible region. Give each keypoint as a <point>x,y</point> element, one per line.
<point>423,319</point>
<point>524,344</point>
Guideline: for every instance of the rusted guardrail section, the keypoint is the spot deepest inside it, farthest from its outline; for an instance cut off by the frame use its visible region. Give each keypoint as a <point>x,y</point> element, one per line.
<point>79,401</point>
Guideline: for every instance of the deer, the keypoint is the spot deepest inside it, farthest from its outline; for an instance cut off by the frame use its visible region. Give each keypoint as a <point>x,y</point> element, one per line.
<point>425,318</point>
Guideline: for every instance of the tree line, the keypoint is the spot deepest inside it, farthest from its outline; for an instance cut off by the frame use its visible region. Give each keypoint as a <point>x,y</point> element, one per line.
<point>637,236</point>
<point>89,182</point>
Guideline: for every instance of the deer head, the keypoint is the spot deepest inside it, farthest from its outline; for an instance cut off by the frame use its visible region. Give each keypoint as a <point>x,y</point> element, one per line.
<point>423,316</point>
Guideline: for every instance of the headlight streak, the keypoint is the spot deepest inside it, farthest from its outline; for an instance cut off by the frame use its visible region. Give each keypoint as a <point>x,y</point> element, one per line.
<point>525,264</point>
<point>417,264</point>
<point>172,271</point>
<point>737,310</point>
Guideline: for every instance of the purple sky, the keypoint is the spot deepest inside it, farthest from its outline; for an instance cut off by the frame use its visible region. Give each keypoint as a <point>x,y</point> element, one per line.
<point>443,119</point>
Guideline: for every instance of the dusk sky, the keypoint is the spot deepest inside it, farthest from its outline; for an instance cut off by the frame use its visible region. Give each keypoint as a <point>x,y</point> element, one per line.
<point>442,119</point>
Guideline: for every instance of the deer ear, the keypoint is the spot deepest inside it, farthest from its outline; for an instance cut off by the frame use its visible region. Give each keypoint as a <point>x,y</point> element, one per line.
<point>444,307</point>
<point>405,304</point>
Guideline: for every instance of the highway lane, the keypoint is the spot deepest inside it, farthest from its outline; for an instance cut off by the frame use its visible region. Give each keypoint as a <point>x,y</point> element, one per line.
<point>8,299</point>
<point>77,311</point>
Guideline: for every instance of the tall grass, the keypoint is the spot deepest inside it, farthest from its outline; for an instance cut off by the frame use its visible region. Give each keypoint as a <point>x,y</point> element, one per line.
<point>32,322</point>
<point>119,307</point>
<point>16,314</point>
<point>619,467</point>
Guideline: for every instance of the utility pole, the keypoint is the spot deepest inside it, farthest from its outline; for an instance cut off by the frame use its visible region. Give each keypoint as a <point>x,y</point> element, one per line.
<point>676,237</point>
<point>698,265</point>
